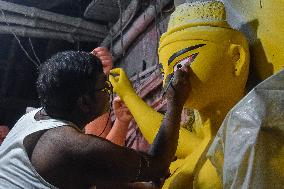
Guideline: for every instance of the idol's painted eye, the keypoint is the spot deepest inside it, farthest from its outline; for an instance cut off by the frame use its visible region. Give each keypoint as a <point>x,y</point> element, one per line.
<point>185,61</point>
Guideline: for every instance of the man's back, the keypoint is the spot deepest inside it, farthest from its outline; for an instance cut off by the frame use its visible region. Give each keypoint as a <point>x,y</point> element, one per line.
<point>16,169</point>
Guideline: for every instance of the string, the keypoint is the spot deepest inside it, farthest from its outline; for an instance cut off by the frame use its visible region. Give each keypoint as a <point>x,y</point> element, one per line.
<point>121,29</point>
<point>18,40</point>
<point>31,44</point>
<point>109,113</point>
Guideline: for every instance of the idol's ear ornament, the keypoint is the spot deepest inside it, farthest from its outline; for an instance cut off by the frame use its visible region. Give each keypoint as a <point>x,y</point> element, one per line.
<point>238,57</point>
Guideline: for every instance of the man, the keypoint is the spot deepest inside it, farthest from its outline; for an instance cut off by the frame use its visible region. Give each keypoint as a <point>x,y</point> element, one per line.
<point>47,149</point>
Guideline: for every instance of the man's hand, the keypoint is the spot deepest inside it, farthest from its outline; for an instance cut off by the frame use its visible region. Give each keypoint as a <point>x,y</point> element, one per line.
<point>179,86</point>
<point>120,82</point>
<point>105,56</point>
<point>121,111</point>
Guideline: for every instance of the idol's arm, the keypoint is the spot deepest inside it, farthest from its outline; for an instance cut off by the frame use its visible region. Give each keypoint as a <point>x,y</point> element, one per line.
<point>146,117</point>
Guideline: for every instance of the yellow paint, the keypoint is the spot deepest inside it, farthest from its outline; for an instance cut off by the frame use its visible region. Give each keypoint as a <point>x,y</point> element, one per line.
<point>208,87</point>
<point>277,162</point>
<point>145,116</point>
<point>219,74</point>
<point>198,14</point>
<point>265,19</point>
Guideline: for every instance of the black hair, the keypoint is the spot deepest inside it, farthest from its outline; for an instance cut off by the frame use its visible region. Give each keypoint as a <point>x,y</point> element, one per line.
<point>64,78</point>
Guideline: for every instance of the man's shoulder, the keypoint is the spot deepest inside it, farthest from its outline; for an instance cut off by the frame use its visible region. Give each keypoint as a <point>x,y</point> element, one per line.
<point>54,144</point>
<point>61,135</point>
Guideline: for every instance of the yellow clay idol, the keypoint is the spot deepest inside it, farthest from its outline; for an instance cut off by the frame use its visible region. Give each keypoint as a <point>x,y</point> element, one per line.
<point>198,36</point>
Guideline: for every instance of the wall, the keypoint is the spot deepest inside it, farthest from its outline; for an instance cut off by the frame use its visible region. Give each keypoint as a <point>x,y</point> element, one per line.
<point>18,74</point>
<point>144,49</point>
<point>262,22</point>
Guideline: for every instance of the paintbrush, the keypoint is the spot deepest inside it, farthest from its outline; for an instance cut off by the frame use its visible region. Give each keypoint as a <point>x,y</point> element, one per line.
<point>167,87</point>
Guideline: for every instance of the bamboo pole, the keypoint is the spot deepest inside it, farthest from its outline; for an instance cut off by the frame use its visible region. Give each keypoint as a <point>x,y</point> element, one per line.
<point>138,26</point>
<point>44,33</point>
<point>127,16</point>
<point>40,23</point>
<point>53,17</point>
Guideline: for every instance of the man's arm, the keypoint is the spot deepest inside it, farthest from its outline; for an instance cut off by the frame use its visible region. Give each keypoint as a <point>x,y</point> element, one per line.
<point>93,160</point>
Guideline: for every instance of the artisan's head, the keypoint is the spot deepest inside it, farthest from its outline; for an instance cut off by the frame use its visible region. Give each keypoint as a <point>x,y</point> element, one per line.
<point>71,86</point>
<point>198,36</point>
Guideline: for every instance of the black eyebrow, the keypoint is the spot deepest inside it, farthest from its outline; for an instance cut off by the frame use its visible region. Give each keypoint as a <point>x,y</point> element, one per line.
<point>183,51</point>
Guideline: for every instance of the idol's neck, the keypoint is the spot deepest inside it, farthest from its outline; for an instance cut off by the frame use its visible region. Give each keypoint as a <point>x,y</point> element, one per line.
<point>214,113</point>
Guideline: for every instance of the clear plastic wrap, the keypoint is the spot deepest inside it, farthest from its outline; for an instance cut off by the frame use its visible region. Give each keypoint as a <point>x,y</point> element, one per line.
<point>248,150</point>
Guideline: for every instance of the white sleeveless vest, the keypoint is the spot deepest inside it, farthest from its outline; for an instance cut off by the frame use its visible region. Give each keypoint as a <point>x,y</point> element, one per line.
<point>16,170</point>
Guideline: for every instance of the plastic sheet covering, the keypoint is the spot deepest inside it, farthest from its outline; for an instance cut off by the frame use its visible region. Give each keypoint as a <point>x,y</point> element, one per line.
<point>248,150</point>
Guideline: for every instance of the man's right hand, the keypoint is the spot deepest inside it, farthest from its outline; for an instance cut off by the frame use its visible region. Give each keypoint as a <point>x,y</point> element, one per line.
<point>179,88</point>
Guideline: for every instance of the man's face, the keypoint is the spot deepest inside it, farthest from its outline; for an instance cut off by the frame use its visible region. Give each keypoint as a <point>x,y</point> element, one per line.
<point>3,133</point>
<point>102,95</point>
<point>208,61</point>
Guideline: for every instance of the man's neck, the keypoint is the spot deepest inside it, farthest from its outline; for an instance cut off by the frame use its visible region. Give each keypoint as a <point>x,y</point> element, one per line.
<point>41,115</point>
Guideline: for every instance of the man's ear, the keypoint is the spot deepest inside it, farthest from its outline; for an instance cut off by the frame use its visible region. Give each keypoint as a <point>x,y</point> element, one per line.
<point>83,104</point>
<point>238,56</point>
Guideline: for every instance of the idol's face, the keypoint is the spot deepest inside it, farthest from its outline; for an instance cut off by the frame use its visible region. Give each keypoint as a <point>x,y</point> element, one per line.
<point>211,67</point>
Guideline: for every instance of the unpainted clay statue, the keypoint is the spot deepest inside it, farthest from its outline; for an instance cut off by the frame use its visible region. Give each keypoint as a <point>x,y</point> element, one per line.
<point>198,36</point>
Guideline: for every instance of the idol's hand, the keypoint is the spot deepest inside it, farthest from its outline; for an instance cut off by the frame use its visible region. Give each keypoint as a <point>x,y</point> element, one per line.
<point>120,82</point>
<point>105,56</point>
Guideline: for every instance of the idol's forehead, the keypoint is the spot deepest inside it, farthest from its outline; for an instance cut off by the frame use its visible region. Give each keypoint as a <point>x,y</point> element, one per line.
<point>174,52</point>
<point>205,33</point>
